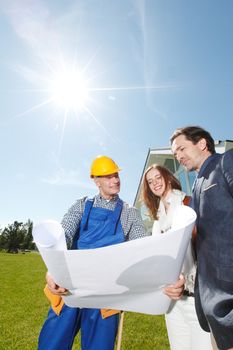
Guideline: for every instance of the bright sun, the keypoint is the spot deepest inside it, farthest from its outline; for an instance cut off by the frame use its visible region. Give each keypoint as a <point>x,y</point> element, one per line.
<point>69,90</point>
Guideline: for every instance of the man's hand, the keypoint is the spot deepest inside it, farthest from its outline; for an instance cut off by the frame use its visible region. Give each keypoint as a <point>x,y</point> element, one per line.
<point>175,291</point>
<point>53,287</point>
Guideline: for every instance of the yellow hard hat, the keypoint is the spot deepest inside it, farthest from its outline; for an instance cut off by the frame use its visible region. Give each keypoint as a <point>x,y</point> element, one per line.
<point>102,166</point>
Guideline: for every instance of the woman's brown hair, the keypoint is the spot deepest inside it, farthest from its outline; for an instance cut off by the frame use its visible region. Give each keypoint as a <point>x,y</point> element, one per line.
<point>149,198</point>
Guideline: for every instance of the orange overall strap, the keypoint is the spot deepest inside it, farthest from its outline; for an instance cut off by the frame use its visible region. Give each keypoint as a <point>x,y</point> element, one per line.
<point>108,312</point>
<point>55,300</point>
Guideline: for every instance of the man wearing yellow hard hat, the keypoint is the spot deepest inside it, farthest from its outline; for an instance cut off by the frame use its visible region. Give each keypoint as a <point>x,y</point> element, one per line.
<point>92,223</point>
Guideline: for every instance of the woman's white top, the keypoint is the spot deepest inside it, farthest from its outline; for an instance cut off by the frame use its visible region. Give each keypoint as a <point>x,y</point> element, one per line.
<point>163,224</point>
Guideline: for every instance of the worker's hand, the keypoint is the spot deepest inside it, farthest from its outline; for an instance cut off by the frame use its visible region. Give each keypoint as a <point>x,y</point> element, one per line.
<point>175,291</point>
<point>53,287</point>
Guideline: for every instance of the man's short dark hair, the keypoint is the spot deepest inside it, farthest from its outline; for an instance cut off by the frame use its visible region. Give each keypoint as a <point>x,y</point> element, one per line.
<point>195,134</point>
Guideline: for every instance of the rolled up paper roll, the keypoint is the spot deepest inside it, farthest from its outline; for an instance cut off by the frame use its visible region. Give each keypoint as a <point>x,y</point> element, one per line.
<point>183,216</point>
<point>49,234</point>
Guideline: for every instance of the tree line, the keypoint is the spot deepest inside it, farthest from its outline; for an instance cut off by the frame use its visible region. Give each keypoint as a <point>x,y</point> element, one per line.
<point>17,237</point>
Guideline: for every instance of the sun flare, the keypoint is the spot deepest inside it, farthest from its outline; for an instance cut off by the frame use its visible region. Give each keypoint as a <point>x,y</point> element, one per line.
<point>69,90</point>
<point>72,90</point>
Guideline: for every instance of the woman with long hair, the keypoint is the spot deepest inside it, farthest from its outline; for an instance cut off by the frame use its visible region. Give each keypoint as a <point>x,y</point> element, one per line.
<point>161,193</point>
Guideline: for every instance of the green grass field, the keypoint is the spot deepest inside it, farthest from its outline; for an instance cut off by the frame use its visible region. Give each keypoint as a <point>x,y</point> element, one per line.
<point>23,309</point>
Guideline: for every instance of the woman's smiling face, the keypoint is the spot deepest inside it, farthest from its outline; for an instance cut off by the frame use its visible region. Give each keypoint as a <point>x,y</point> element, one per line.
<point>156,182</point>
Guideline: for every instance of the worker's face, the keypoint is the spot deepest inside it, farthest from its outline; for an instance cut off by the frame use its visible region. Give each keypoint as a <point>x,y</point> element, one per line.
<point>108,185</point>
<point>156,182</point>
<point>190,155</point>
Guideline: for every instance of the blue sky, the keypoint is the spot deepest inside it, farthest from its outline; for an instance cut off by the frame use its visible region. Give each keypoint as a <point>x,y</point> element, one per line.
<point>146,67</point>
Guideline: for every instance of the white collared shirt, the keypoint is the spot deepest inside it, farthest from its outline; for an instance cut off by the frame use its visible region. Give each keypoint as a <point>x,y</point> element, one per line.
<point>174,198</point>
<point>163,224</point>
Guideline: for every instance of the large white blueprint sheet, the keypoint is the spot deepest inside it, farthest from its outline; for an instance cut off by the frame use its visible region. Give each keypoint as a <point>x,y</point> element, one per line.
<point>129,276</point>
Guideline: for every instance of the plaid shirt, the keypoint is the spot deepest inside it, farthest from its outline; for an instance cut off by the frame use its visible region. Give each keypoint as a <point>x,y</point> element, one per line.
<point>131,220</point>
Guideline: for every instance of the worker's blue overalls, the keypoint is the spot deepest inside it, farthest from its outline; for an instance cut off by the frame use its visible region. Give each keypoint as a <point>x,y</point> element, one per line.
<point>99,227</point>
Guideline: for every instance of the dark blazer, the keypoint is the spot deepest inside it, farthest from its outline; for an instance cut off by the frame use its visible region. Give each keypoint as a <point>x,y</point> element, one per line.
<point>213,199</point>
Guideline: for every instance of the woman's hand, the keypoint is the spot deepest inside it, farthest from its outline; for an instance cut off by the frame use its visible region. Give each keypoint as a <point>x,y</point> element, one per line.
<point>175,291</point>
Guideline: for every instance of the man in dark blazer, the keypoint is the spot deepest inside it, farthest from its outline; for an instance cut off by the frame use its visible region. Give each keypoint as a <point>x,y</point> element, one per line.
<point>212,199</point>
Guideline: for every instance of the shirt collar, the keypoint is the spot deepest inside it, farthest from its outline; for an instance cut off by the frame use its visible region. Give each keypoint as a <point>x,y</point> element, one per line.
<point>175,194</point>
<point>205,164</point>
<point>113,199</point>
